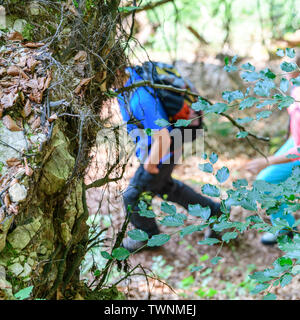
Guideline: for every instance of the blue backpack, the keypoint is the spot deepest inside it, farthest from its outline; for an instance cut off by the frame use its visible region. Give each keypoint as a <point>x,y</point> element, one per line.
<point>175,104</point>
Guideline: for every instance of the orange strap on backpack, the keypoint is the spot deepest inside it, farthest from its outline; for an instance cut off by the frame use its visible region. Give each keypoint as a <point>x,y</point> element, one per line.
<point>184,112</point>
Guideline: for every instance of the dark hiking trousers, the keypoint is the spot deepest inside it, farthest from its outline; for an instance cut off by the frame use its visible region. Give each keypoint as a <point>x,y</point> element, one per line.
<point>160,184</point>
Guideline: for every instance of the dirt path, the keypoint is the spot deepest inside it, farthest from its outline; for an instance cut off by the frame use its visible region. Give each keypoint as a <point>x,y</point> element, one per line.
<point>172,262</point>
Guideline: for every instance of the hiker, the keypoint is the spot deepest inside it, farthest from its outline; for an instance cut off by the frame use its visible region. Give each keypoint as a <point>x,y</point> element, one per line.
<point>142,108</point>
<point>279,167</point>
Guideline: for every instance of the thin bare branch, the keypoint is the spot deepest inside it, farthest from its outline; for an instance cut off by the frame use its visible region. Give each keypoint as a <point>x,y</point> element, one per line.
<point>148,6</point>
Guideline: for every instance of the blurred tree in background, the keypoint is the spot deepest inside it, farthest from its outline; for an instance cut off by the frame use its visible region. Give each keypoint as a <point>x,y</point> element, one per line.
<point>242,27</point>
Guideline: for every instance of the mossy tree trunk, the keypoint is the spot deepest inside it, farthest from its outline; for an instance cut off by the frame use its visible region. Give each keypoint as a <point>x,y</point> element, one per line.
<point>50,235</point>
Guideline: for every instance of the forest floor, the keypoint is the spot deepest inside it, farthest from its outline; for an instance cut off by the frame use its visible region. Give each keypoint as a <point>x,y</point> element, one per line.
<point>168,267</point>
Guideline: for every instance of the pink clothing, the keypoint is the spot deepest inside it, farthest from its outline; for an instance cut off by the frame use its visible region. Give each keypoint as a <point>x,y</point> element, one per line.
<point>294,112</point>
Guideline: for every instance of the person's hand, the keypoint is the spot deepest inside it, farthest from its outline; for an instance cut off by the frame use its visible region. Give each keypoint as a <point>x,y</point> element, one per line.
<point>151,168</point>
<point>256,165</point>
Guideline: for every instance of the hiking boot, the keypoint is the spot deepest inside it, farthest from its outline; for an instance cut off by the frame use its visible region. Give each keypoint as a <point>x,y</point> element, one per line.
<point>133,245</point>
<point>270,239</point>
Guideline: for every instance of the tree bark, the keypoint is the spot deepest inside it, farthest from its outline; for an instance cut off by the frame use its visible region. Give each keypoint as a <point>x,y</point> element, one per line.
<point>53,216</point>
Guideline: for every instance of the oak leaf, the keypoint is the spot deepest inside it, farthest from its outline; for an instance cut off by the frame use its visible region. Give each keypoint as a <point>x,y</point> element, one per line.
<point>13,162</point>
<point>80,56</point>
<point>15,36</point>
<point>36,123</point>
<point>10,123</point>
<point>34,44</point>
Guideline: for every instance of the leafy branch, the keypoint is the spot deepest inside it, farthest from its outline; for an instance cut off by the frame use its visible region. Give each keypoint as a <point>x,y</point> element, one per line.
<point>185,92</point>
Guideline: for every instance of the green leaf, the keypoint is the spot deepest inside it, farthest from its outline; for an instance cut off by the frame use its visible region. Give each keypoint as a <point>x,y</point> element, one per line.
<point>296,81</point>
<point>230,96</point>
<point>138,234</point>
<point>226,60</point>
<point>248,76</point>
<point>254,219</point>
<point>204,257</point>
<point>144,212</point>
<point>168,208</point>
<point>217,108</point>
<point>284,84</point>
<point>200,292</point>
<point>262,186</point>
<point>248,66</point>
<point>230,68</point>
<point>241,226</point>
<point>213,158</point>
<point>24,293</point>
<point>127,9</point>
<point>229,236</point>
<point>76,4</point>
<point>191,229</point>
<point>211,292</point>
<point>149,132</point>
<point>206,167</point>
<point>280,52</point>
<point>222,174</point>
<point>267,74</point>
<point>215,260</point>
<point>222,225</point>
<point>106,255</point>
<point>284,261</point>
<point>260,287</point>
<point>172,221</point>
<point>206,272</point>
<point>158,240</point>
<point>284,102</point>
<point>290,52</point>
<point>120,253</point>
<point>247,92</point>
<point>234,58</point>
<point>242,134</point>
<point>197,210</point>
<point>276,283</point>
<point>288,66</point>
<point>182,123</point>
<point>209,241</point>
<point>263,114</point>
<point>198,268</point>
<point>181,216</point>
<point>260,276</point>
<point>263,87</point>
<point>266,103</point>
<point>200,105</point>
<point>240,183</point>
<point>244,120</point>
<point>1,166</point>
<point>296,269</point>
<point>162,122</point>
<point>187,282</point>
<point>224,206</point>
<point>270,296</point>
<point>286,279</point>
<point>97,273</point>
<point>248,204</point>
<point>248,103</point>
<point>210,190</point>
